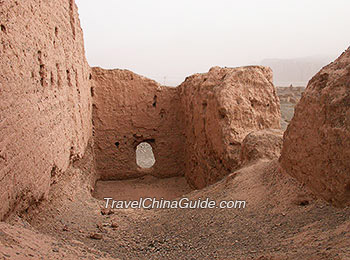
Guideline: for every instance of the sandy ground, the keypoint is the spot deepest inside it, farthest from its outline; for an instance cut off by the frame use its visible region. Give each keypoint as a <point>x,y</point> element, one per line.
<point>145,187</point>
<point>282,220</point>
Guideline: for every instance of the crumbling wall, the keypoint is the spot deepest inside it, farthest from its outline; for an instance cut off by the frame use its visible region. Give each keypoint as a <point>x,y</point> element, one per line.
<point>316,142</point>
<point>129,109</point>
<point>220,108</point>
<point>46,94</point>
<point>195,129</point>
<point>45,97</point>
<point>264,144</point>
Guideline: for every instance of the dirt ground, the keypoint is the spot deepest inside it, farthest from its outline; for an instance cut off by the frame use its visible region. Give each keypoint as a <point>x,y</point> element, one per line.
<point>282,220</point>
<point>147,186</point>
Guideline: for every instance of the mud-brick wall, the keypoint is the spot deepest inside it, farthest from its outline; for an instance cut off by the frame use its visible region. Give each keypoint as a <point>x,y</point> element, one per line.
<point>129,109</point>
<point>316,144</point>
<point>45,97</point>
<point>220,108</point>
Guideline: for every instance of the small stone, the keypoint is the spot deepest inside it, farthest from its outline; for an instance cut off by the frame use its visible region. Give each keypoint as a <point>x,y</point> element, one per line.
<point>114,225</point>
<point>96,236</point>
<point>107,211</point>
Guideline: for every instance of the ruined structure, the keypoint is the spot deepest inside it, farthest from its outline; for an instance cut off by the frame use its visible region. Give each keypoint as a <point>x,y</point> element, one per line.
<point>264,144</point>
<point>129,109</point>
<point>45,107</point>
<point>60,121</point>
<point>220,108</point>
<point>195,129</point>
<point>48,91</point>
<point>316,143</point>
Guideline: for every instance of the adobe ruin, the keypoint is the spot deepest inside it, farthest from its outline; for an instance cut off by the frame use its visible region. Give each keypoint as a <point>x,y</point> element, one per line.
<point>194,129</point>
<point>316,142</point>
<point>53,105</point>
<point>64,125</point>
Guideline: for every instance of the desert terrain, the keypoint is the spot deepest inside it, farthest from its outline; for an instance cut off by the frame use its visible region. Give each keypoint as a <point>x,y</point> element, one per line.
<point>72,135</point>
<point>282,220</point>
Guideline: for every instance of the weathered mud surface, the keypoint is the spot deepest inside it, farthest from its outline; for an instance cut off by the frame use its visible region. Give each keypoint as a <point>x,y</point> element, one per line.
<point>315,148</point>
<point>45,99</point>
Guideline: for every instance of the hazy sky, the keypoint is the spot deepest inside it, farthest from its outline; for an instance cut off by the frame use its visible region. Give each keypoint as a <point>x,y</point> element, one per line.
<point>174,39</point>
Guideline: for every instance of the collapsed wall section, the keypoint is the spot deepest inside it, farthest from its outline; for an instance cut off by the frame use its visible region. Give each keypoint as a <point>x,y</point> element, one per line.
<point>220,108</point>
<point>129,109</point>
<point>45,97</point>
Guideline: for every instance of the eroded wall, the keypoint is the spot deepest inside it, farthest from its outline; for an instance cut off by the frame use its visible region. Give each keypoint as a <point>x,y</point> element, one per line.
<point>45,97</point>
<point>220,108</point>
<point>195,129</point>
<point>316,142</point>
<point>129,109</point>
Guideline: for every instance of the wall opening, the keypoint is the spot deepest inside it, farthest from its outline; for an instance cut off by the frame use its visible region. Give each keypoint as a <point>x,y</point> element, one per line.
<point>144,155</point>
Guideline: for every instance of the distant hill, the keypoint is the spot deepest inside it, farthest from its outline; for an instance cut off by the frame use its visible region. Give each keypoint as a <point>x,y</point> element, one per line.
<point>295,71</point>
